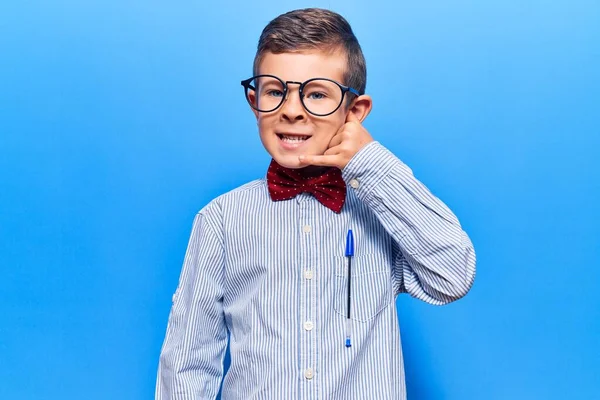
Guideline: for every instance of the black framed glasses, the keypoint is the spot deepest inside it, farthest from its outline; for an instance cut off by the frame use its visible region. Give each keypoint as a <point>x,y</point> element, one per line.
<point>319,96</point>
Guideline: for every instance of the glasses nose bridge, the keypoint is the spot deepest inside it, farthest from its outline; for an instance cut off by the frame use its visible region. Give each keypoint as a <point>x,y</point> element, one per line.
<point>287,88</point>
<point>285,103</point>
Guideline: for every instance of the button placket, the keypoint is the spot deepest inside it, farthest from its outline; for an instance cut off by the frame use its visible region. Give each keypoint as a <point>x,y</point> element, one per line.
<point>309,238</point>
<point>307,249</point>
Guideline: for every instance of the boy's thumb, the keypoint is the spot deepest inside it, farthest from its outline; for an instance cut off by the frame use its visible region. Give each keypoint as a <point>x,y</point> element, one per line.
<point>351,117</point>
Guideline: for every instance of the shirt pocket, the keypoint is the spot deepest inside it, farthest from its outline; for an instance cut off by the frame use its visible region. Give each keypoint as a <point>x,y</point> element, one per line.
<point>370,290</point>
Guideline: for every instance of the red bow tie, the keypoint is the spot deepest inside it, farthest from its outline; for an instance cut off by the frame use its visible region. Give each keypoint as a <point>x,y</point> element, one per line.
<point>286,183</point>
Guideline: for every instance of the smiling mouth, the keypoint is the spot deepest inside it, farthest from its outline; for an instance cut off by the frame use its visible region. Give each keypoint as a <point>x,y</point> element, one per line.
<point>292,138</point>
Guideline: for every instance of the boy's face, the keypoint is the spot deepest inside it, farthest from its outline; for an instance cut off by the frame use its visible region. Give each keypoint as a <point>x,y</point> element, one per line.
<point>291,118</point>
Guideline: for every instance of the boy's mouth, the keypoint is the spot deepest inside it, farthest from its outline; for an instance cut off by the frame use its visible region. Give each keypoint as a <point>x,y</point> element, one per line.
<point>292,138</point>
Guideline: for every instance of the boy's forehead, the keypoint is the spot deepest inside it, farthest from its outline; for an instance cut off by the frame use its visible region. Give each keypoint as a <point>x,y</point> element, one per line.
<point>305,64</point>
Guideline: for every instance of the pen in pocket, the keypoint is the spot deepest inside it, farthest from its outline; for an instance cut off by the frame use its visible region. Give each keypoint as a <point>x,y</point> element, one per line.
<point>349,253</point>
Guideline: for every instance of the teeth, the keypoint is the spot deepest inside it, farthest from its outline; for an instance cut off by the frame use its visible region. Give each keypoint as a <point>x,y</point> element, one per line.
<point>294,139</point>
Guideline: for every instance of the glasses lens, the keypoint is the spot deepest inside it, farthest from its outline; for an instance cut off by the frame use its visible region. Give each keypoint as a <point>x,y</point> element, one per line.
<point>267,94</point>
<point>321,96</point>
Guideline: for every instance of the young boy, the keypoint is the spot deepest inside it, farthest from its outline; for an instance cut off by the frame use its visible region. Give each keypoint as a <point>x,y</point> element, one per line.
<point>270,263</point>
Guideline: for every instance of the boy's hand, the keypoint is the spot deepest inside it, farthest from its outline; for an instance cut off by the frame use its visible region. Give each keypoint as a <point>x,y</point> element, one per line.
<point>348,140</point>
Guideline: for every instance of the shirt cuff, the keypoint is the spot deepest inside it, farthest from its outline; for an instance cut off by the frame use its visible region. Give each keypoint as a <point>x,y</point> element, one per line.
<point>369,166</point>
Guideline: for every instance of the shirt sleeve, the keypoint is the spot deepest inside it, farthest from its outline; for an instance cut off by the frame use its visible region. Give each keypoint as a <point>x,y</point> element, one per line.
<point>434,259</point>
<point>191,359</point>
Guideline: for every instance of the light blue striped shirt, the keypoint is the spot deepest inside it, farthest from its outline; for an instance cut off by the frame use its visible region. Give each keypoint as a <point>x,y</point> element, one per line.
<point>274,275</point>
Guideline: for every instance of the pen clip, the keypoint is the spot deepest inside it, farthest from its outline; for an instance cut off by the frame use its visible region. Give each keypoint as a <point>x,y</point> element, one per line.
<point>349,244</point>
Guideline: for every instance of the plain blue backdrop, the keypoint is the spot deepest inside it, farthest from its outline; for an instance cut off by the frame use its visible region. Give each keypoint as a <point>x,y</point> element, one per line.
<point>119,120</point>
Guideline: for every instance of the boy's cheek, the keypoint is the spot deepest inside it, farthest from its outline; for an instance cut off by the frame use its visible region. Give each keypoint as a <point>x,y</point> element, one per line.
<point>318,149</point>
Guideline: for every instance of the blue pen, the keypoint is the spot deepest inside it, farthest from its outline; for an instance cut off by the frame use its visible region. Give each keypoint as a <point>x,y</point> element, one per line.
<point>349,254</point>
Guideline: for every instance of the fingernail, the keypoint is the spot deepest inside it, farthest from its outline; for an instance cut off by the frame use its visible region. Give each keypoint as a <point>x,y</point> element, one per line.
<point>301,158</point>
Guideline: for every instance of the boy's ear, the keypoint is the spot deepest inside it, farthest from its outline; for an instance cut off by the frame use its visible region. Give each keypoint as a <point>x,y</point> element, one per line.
<point>361,107</point>
<point>252,98</point>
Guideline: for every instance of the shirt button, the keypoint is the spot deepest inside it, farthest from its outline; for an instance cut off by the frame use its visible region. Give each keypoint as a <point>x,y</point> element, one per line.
<point>306,228</point>
<point>354,183</point>
<point>308,274</point>
<point>309,373</point>
<point>308,325</point>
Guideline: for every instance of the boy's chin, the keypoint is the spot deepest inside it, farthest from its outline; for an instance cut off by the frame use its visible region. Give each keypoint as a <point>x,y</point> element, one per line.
<point>288,161</point>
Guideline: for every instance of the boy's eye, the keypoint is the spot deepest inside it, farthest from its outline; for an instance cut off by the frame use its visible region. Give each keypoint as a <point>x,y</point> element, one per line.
<point>275,93</point>
<point>316,95</point>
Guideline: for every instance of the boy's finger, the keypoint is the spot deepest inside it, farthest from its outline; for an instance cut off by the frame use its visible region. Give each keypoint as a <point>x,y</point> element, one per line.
<point>335,140</point>
<point>333,150</point>
<point>326,161</point>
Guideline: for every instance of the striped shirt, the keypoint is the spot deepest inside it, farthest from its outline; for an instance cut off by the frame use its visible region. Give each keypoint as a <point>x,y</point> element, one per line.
<point>271,277</point>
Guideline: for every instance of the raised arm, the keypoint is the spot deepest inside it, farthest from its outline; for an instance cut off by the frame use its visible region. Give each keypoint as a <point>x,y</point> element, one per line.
<point>435,260</point>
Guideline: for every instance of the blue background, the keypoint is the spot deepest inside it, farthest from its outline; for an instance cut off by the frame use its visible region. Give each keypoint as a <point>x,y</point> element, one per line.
<point>119,120</point>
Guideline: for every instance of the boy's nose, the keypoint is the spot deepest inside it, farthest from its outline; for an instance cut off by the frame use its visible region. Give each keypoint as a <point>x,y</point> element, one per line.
<point>292,108</point>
